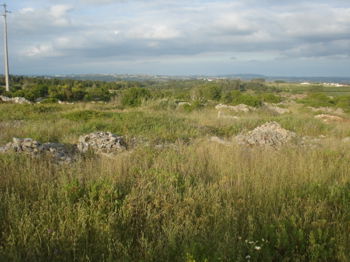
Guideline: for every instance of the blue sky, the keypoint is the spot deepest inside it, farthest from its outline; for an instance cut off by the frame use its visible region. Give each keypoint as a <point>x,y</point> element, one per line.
<point>178,37</point>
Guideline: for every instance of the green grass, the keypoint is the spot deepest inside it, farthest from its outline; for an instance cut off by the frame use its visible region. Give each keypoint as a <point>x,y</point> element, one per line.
<point>192,201</point>
<point>204,201</point>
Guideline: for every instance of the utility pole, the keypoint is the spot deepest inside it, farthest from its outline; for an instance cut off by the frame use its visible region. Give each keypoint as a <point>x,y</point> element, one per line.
<point>6,55</point>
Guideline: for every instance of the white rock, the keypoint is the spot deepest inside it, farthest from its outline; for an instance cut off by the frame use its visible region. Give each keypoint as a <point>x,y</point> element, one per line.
<point>101,142</point>
<point>329,118</point>
<point>16,100</point>
<point>269,134</point>
<point>239,108</point>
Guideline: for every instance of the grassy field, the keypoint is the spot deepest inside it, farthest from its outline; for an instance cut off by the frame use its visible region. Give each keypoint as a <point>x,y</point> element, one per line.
<point>174,196</point>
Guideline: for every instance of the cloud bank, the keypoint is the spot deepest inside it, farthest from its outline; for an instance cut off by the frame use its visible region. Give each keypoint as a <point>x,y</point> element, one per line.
<point>181,37</point>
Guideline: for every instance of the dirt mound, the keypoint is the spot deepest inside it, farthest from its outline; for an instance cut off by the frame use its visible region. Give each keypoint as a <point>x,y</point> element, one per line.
<point>269,134</point>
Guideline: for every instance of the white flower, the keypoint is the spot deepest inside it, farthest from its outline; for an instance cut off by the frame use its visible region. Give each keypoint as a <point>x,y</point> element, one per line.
<point>257,248</point>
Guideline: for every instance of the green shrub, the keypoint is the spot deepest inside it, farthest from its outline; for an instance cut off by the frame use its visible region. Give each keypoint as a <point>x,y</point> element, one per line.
<point>195,105</point>
<point>270,98</point>
<point>96,94</point>
<point>50,100</point>
<point>318,100</point>
<point>212,92</point>
<point>237,97</point>
<point>133,96</point>
<point>343,102</point>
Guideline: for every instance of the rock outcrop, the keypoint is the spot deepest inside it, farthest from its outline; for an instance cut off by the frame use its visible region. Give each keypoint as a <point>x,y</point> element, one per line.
<point>222,115</point>
<point>219,140</point>
<point>99,142</point>
<point>276,109</point>
<point>269,134</point>
<point>239,108</point>
<point>102,142</point>
<point>338,111</point>
<point>329,118</point>
<point>55,151</point>
<point>346,140</point>
<point>15,100</point>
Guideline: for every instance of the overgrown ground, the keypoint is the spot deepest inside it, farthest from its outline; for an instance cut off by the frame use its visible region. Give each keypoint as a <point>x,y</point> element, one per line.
<point>186,200</point>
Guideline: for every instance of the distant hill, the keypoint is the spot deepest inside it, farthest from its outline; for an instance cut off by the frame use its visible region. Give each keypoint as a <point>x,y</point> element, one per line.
<point>140,77</point>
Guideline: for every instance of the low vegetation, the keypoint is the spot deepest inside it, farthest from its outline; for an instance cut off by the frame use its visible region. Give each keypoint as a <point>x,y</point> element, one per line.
<point>174,195</point>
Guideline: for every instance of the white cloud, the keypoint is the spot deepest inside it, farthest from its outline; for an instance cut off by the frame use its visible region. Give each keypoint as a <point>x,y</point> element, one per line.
<point>157,31</point>
<point>59,14</point>
<point>42,50</point>
<point>136,29</point>
<point>26,10</point>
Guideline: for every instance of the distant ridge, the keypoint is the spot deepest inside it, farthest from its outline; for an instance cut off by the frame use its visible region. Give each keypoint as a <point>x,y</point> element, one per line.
<point>144,77</point>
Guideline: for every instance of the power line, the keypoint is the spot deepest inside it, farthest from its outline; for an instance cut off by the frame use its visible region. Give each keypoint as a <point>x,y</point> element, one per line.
<point>6,55</point>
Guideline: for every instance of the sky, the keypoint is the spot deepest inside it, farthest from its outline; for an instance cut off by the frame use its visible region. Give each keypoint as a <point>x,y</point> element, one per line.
<point>180,37</point>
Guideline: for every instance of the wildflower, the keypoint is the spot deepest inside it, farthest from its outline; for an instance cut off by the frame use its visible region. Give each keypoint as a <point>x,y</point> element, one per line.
<point>257,248</point>
<point>247,257</point>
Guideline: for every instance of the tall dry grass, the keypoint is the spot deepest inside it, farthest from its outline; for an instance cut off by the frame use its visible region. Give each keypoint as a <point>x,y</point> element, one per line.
<point>203,202</point>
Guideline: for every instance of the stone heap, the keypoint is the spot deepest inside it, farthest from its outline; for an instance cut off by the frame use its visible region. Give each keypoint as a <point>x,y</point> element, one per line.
<point>269,134</point>
<point>101,142</point>
<point>57,152</point>
<point>239,108</point>
<point>15,100</point>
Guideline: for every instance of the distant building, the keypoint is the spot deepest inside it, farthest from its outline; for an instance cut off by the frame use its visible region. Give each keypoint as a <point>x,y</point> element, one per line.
<point>333,84</point>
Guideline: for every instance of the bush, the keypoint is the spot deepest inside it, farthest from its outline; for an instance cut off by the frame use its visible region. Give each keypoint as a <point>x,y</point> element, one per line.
<point>195,105</point>
<point>212,92</point>
<point>343,102</point>
<point>271,98</point>
<point>133,96</point>
<point>236,98</point>
<point>96,94</point>
<point>49,100</point>
<point>318,100</point>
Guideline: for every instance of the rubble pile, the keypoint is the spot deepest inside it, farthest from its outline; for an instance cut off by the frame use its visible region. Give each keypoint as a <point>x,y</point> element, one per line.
<point>15,100</point>
<point>58,152</point>
<point>102,142</point>
<point>269,134</point>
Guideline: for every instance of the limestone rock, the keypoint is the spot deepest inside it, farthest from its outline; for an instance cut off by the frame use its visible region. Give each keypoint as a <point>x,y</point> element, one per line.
<point>180,104</point>
<point>329,118</point>
<point>57,152</point>
<point>219,140</point>
<point>15,100</point>
<point>346,140</point>
<point>222,115</point>
<point>269,134</point>
<point>338,111</point>
<point>276,109</point>
<point>101,142</point>
<point>239,108</point>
